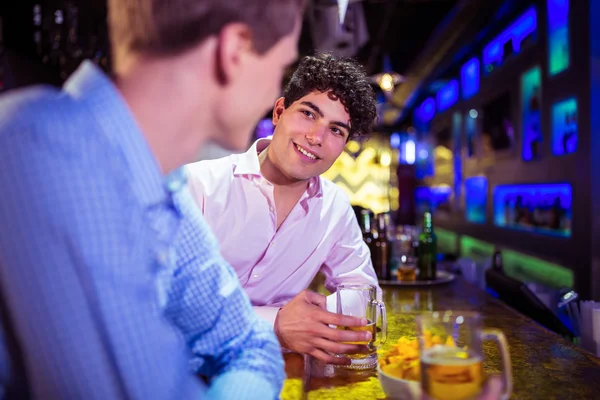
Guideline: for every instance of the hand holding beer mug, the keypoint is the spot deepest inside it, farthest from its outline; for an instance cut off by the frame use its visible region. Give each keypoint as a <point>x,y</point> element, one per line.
<point>452,357</point>
<point>360,300</point>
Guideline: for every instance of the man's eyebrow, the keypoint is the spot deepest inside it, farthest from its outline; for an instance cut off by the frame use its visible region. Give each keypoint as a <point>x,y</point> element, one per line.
<point>341,125</point>
<point>316,109</point>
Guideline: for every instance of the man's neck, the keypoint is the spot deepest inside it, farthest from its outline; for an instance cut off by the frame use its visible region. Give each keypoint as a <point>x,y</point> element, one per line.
<point>286,190</point>
<point>271,172</point>
<point>166,111</point>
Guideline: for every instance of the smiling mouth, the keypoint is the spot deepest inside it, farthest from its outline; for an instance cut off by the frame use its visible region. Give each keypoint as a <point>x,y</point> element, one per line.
<point>306,152</point>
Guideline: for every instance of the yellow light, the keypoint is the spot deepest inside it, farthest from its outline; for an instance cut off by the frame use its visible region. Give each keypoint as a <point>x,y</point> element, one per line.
<point>353,146</point>
<point>387,82</point>
<point>386,159</point>
<point>394,192</point>
<point>363,176</point>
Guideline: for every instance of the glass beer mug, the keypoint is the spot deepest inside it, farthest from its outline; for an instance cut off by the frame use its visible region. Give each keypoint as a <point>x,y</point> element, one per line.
<point>360,300</point>
<point>452,357</point>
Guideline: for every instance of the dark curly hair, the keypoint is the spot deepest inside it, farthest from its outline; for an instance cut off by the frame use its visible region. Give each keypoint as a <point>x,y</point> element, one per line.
<point>345,79</point>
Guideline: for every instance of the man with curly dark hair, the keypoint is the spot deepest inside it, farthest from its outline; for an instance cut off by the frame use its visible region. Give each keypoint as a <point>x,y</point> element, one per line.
<point>279,222</point>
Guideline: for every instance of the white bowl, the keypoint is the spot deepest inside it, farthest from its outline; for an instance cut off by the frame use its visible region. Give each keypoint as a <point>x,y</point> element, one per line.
<point>399,389</point>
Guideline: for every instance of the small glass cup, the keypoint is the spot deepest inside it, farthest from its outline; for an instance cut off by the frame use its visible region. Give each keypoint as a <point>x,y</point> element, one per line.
<point>450,346</point>
<point>360,300</point>
<point>407,269</point>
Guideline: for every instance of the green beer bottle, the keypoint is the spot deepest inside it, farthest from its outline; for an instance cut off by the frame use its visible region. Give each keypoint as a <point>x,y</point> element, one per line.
<point>427,250</point>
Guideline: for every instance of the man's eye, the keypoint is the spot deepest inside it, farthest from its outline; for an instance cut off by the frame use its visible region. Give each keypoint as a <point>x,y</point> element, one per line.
<point>338,132</point>
<point>308,114</point>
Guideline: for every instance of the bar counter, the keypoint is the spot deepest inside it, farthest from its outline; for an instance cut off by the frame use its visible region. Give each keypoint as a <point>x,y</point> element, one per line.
<point>544,365</point>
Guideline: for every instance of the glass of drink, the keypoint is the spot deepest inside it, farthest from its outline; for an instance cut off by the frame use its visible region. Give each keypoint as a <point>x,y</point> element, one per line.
<point>450,345</point>
<point>407,269</point>
<point>360,300</point>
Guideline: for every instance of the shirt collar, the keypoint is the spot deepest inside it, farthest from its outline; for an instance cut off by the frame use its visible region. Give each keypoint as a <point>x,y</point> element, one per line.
<point>248,164</point>
<point>90,86</point>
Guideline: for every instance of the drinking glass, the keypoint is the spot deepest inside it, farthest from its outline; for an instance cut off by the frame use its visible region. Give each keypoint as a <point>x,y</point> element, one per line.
<point>450,348</point>
<point>360,300</point>
<point>407,269</point>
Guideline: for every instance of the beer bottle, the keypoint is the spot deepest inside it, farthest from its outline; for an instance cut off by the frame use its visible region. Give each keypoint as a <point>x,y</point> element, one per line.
<point>497,261</point>
<point>365,225</point>
<point>427,250</point>
<point>381,250</point>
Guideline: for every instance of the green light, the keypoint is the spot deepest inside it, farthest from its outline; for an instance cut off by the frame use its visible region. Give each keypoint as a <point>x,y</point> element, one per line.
<point>558,36</point>
<point>531,96</point>
<point>559,51</point>
<point>475,249</point>
<point>447,241</point>
<point>530,269</point>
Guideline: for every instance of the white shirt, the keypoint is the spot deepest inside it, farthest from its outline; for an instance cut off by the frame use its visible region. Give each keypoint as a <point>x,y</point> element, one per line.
<point>320,233</point>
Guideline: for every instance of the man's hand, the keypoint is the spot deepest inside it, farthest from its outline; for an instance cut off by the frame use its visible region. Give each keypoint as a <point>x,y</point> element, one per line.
<point>302,326</point>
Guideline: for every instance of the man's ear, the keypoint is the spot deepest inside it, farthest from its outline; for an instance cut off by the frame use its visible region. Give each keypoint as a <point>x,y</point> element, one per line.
<point>234,44</point>
<point>278,110</point>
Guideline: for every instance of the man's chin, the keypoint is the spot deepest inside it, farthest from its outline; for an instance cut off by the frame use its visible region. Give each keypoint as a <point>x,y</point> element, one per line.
<point>234,142</point>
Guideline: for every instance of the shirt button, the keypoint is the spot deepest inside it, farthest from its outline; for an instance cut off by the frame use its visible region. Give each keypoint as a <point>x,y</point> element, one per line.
<point>271,209</point>
<point>271,244</point>
<point>255,276</point>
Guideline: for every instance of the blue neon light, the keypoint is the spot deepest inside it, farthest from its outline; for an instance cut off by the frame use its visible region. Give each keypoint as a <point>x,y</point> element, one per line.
<point>447,95</point>
<point>476,188</point>
<point>564,127</point>
<point>457,123</point>
<point>430,198</point>
<point>516,32</point>
<point>408,151</point>
<point>395,140</point>
<point>540,208</point>
<point>426,110</point>
<point>264,128</point>
<point>469,78</point>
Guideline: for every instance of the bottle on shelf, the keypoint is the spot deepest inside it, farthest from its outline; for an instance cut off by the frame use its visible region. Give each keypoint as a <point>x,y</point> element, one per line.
<point>427,250</point>
<point>497,261</point>
<point>381,248</point>
<point>534,124</point>
<point>366,227</point>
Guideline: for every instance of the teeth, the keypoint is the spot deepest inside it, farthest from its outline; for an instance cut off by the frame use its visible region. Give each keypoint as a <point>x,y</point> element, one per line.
<point>306,153</point>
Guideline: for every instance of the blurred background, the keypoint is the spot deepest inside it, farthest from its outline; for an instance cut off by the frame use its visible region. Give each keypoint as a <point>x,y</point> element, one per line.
<point>486,117</point>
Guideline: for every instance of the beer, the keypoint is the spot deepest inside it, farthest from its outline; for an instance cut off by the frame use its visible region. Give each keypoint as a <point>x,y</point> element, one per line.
<point>370,327</point>
<point>451,373</point>
<point>407,272</point>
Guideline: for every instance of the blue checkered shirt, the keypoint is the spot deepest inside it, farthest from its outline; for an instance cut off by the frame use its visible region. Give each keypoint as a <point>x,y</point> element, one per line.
<point>90,288</point>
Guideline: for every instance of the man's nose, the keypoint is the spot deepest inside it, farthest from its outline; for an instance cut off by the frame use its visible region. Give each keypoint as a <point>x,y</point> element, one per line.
<point>315,136</point>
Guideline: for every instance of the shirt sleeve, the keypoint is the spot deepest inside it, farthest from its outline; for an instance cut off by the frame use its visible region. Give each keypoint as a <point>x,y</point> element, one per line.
<point>267,313</point>
<point>349,261</point>
<point>76,277</point>
<point>227,339</point>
